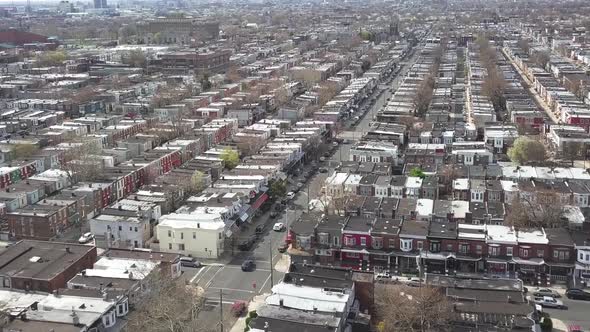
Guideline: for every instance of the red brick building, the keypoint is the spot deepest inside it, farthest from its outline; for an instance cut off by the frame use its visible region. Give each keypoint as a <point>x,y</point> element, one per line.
<point>43,266</point>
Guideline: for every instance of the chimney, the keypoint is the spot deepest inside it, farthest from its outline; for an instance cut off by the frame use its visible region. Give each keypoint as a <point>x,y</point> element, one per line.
<point>75,318</point>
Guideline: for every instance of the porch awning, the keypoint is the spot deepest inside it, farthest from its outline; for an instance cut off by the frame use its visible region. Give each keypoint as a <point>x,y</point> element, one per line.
<point>354,251</point>
<point>555,264</point>
<point>467,258</point>
<point>496,261</point>
<point>405,254</point>
<point>437,255</point>
<point>583,267</point>
<point>532,261</point>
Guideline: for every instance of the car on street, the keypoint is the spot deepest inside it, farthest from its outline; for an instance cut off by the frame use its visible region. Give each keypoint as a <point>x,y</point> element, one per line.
<point>247,244</point>
<point>549,302</point>
<point>248,265</point>
<point>300,185</point>
<point>189,262</point>
<point>546,292</point>
<point>334,143</point>
<point>259,229</point>
<point>577,294</point>
<point>283,247</point>
<point>85,238</point>
<point>323,170</point>
<point>290,195</point>
<point>322,159</point>
<point>327,154</point>
<point>278,227</point>
<point>274,214</point>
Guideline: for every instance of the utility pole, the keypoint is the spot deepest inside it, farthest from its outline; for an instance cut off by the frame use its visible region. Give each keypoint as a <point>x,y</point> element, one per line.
<point>270,257</point>
<point>221,309</point>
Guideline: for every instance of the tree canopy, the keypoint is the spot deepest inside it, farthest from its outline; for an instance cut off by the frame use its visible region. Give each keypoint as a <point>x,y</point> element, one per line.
<point>230,157</point>
<point>526,150</point>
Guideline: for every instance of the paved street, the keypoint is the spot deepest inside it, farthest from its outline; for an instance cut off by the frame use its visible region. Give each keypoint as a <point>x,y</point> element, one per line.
<point>578,313</point>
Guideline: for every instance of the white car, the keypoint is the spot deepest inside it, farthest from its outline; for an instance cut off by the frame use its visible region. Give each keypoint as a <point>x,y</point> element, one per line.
<point>278,227</point>
<point>85,238</point>
<point>290,195</point>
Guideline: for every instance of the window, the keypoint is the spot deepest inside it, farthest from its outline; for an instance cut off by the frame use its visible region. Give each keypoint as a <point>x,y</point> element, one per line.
<point>219,236</point>
<point>434,246</point>
<point>509,251</point>
<point>349,241</point>
<point>170,246</point>
<point>494,251</point>
<point>130,228</point>
<point>323,238</point>
<point>405,245</point>
<point>420,245</point>
<point>391,243</point>
<point>181,246</point>
<point>336,241</point>
<point>135,229</point>
<point>352,254</point>
<point>540,253</point>
<point>120,228</point>
<point>181,235</point>
<point>449,247</point>
<point>524,252</point>
<point>464,248</point>
<point>194,235</point>
<point>363,241</point>
<point>377,242</point>
<point>478,249</point>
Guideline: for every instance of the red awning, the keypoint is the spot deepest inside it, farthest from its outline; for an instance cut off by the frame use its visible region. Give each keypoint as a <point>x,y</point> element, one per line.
<point>259,201</point>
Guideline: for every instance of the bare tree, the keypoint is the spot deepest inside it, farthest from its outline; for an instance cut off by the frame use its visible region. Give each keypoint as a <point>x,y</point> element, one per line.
<point>536,207</point>
<point>409,309</point>
<point>573,151</point>
<point>170,305</point>
<point>81,161</point>
<point>423,95</point>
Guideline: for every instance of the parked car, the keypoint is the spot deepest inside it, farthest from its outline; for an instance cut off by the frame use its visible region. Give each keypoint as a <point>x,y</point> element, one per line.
<point>549,302</point>
<point>85,238</point>
<point>274,214</point>
<point>577,294</point>
<point>290,195</point>
<point>278,227</point>
<point>300,185</point>
<point>546,292</point>
<point>323,170</point>
<point>189,262</point>
<point>259,229</point>
<point>248,265</point>
<point>322,159</point>
<point>327,154</point>
<point>283,247</point>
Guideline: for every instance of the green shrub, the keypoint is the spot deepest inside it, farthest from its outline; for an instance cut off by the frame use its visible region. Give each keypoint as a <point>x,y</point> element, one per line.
<point>546,324</point>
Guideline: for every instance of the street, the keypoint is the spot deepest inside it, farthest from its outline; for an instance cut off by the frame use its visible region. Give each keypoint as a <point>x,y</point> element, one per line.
<point>576,314</point>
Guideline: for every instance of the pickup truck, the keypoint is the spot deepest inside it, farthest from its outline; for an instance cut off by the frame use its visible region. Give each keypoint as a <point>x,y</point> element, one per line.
<point>549,302</point>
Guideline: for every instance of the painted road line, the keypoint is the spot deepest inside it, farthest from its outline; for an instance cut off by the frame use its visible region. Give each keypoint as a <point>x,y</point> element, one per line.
<point>232,289</point>
<point>213,277</point>
<point>199,273</point>
<point>264,284</point>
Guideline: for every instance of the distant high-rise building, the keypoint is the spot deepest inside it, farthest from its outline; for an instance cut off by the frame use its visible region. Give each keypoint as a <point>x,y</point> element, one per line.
<point>100,4</point>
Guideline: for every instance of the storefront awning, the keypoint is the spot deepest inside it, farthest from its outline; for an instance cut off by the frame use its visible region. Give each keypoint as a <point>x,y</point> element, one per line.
<point>532,261</point>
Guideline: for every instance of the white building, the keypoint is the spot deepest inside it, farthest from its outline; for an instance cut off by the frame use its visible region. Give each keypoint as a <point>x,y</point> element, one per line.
<point>196,234</point>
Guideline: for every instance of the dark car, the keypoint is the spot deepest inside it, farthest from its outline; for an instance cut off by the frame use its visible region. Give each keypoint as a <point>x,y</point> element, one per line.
<point>247,244</point>
<point>577,294</point>
<point>327,154</point>
<point>323,170</point>
<point>274,214</point>
<point>248,265</point>
<point>259,229</point>
<point>283,247</point>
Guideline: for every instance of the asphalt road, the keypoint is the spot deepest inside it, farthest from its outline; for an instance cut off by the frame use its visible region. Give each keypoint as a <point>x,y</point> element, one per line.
<point>578,313</point>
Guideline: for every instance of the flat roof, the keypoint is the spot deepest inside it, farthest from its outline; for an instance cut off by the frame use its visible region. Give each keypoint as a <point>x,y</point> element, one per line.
<point>40,259</point>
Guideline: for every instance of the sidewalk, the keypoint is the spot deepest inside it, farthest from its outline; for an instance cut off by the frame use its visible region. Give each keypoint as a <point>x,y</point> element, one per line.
<point>558,325</point>
<point>257,301</point>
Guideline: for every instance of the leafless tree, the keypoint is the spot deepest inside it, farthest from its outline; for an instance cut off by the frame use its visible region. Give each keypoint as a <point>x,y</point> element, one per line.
<point>170,305</point>
<point>537,207</point>
<point>573,151</point>
<point>409,309</point>
<point>423,95</point>
<point>81,161</point>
